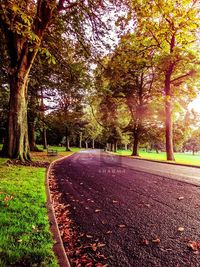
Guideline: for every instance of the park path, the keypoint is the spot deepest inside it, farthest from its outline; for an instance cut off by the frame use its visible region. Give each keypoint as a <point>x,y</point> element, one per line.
<point>140,212</point>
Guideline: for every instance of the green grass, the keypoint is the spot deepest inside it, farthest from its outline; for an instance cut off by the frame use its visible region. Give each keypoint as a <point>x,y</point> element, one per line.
<point>184,158</point>
<point>25,238</point>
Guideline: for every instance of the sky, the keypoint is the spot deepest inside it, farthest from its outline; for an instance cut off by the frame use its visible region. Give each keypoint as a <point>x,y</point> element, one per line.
<point>195,104</point>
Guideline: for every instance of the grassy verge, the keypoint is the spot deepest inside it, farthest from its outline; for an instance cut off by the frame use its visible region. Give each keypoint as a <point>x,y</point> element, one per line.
<point>183,158</point>
<point>25,238</point>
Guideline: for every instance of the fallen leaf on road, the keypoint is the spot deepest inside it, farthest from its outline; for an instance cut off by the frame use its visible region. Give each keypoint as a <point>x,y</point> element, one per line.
<point>193,245</point>
<point>156,240</point>
<point>100,245</point>
<point>115,201</point>
<point>180,198</point>
<point>101,265</point>
<point>147,205</point>
<point>87,208</point>
<point>109,232</point>
<point>145,242</point>
<point>97,210</point>
<point>94,246</point>
<point>181,229</point>
<point>121,225</point>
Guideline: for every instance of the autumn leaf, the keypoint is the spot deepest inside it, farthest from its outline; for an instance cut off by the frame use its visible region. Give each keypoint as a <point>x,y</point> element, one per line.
<point>156,240</point>
<point>94,246</point>
<point>121,225</point>
<point>101,265</point>
<point>100,245</point>
<point>109,232</point>
<point>181,229</point>
<point>8,198</point>
<point>193,245</point>
<point>115,201</point>
<point>180,198</point>
<point>97,210</point>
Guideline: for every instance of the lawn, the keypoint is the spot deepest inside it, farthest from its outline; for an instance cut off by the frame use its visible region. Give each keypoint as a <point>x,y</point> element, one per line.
<point>184,158</point>
<point>25,238</point>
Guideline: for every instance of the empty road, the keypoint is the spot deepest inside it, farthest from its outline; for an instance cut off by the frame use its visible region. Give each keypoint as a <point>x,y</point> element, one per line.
<point>142,213</point>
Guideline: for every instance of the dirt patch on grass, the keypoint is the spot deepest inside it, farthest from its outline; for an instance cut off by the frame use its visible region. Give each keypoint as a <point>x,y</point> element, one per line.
<point>15,162</point>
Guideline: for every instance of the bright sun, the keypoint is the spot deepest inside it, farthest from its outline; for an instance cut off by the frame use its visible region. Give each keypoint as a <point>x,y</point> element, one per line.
<point>195,104</point>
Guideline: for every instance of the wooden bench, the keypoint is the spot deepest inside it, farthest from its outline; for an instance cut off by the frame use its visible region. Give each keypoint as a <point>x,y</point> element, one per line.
<point>52,152</point>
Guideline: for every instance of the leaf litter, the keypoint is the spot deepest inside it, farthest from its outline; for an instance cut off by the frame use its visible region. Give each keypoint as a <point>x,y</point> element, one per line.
<point>78,246</point>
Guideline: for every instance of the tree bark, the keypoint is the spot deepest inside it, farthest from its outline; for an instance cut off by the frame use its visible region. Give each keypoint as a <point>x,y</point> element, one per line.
<point>31,136</point>
<point>135,151</point>
<point>44,137</point>
<point>86,144</point>
<point>80,140</point>
<point>93,143</point>
<point>44,131</point>
<point>67,139</point>
<point>168,118</point>
<point>112,147</point>
<point>115,146</point>
<point>16,144</point>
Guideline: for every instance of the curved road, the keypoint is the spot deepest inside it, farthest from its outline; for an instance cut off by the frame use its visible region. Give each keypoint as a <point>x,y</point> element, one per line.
<point>134,207</point>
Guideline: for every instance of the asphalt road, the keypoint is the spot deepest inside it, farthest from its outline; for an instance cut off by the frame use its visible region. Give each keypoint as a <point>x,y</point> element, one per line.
<point>130,205</point>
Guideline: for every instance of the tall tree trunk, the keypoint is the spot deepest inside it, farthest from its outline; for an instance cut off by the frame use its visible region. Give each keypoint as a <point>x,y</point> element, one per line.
<point>44,131</point>
<point>86,144</point>
<point>135,151</point>
<point>125,147</point>
<point>93,143</point>
<point>80,140</point>
<point>168,118</point>
<point>115,146</point>
<point>67,139</point>
<point>112,147</point>
<point>31,136</point>
<point>16,144</point>
<point>44,137</point>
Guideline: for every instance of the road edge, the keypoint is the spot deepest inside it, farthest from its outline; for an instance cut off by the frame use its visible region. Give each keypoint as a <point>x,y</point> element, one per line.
<point>58,246</point>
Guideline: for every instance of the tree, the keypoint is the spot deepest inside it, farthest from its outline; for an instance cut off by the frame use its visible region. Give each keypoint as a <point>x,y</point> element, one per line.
<point>24,24</point>
<point>171,29</point>
<point>130,73</point>
<point>193,142</point>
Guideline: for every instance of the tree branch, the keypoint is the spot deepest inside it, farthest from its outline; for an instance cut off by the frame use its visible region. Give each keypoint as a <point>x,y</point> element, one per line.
<point>182,76</point>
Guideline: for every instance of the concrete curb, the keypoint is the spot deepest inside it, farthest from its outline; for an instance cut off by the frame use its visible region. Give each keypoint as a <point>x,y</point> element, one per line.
<point>157,161</point>
<point>58,246</point>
